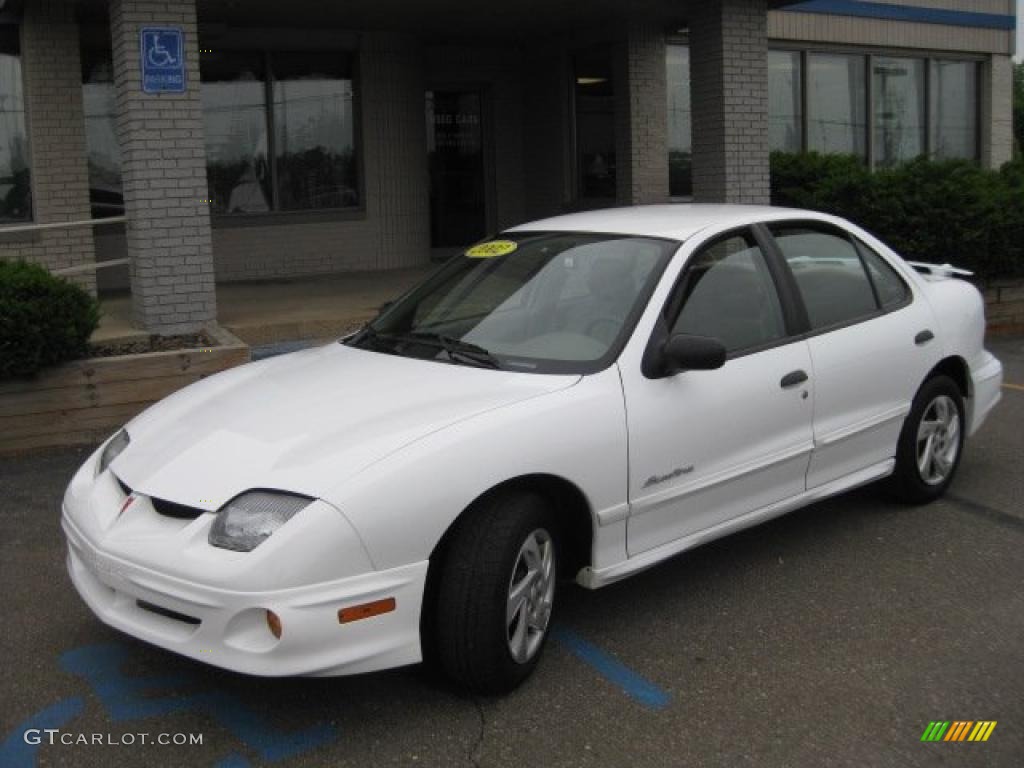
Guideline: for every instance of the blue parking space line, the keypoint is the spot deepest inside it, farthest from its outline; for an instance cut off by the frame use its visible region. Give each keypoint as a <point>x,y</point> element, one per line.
<point>273,349</point>
<point>16,752</point>
<point>131,698</point>
<point>613,670</point>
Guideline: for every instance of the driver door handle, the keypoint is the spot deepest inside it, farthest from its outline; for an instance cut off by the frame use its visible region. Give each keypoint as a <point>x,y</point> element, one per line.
<point>792,379</point>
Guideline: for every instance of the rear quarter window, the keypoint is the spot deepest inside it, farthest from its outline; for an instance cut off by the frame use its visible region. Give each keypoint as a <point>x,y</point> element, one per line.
<point>892,290</point>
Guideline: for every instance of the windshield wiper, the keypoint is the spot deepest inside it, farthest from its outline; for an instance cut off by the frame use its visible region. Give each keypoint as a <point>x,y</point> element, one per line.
<point>457,349</point>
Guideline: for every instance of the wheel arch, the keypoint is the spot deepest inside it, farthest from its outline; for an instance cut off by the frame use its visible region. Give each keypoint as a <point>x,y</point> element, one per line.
<point>572,509</point>
<point>957,369</point>
<point>567,500</point>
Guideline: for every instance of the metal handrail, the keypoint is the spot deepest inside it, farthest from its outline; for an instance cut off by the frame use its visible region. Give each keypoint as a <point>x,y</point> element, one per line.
<point>81,268</point>
<point>63,225</point>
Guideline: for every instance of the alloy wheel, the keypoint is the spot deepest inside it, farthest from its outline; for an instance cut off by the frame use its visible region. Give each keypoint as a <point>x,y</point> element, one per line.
<point>531,594</point>
<point>938,440</point>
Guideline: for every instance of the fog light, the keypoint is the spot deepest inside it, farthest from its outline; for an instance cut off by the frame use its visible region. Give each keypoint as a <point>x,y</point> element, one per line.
<point>366,610</point>
<point>274,624</point>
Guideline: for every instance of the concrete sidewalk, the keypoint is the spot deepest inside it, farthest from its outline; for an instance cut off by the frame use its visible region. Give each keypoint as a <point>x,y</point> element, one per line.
<point>269,311</point>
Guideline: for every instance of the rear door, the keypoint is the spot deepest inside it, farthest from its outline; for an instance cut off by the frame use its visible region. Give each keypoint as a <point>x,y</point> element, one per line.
<point>706,447</point>
<point>870,340</point>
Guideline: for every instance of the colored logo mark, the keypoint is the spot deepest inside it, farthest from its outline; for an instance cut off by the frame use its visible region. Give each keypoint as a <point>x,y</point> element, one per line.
<point>958,730</point>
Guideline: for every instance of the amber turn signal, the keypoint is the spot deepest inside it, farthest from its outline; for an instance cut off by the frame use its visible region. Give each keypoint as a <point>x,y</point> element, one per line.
<point>366,610</point>
<point>274,624</point>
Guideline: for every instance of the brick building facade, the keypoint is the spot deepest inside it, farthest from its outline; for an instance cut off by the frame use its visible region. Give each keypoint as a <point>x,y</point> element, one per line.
<point>324,138</point>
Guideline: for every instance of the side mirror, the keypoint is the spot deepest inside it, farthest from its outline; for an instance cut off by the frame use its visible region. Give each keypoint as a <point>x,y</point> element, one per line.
<point>683,352</point>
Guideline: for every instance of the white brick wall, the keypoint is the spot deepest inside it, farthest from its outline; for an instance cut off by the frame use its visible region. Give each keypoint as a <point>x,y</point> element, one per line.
<point>164,171</point>
<point>60,175</point>
<point>729,76</point>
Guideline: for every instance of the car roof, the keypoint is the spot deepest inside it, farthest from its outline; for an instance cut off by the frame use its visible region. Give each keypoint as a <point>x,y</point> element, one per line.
<point>677,221</point>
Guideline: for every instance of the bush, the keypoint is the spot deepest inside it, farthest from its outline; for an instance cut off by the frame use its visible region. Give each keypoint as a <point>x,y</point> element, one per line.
<point>44,320</point>
<point>937,211</point>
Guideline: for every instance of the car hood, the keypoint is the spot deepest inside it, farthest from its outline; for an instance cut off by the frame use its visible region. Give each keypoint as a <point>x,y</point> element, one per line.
<point>305,422</point>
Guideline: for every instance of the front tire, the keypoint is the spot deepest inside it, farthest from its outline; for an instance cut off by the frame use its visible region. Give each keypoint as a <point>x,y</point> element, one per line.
<point>931,442</point>
<point>496,593</point>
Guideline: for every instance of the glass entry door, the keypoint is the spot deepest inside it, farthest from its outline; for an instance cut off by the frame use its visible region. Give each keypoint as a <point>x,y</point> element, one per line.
<point>458,213</point>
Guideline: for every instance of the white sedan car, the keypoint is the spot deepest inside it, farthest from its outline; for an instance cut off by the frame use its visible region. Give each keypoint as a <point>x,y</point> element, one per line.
<point>581,397</point>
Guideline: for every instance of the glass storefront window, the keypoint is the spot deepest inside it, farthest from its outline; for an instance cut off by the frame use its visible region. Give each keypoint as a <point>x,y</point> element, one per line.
<point>785,102</point>
<point>680,143</point>
<point>106,193</point>
<point>15,186</point>
<point>836,104</point>
<point>314,130</point>
<point>595,123</point>
<point>899,109</point>
<point>954,109</point>
<point>290,150</point>
<point>235,127</point>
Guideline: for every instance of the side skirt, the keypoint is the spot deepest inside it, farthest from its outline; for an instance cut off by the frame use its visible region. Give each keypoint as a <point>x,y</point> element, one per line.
<point>594,579</point>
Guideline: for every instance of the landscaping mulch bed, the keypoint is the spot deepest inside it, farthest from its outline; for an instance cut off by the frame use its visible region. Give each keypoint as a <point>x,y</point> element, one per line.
<point>152,344</point>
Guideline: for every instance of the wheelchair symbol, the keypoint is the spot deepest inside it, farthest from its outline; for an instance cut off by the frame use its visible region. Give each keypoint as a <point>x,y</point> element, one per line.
<point>158,55</point>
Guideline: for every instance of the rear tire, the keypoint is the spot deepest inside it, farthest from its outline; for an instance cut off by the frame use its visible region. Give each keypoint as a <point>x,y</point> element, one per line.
<point>496,592</point>
<point>931,442</point>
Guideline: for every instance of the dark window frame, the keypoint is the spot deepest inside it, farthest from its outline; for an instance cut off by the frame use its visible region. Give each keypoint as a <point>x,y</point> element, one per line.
<point>30,217</point>
<point>580,200</point>
<point>927,55</point>
<point>272,217</point>
<point>768,229</point>
<point>668,313</point>
<point>303,216</point>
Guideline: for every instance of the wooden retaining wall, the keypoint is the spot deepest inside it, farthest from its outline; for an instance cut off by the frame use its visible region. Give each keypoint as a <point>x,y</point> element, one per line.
<point>84,401</point>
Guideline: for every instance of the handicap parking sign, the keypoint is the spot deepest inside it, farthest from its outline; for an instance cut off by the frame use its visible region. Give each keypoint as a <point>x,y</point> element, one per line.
<point>163,59</point>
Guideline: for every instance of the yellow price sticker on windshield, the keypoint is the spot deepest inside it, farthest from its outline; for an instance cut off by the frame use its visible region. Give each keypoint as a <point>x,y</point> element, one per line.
<point>491,249</point>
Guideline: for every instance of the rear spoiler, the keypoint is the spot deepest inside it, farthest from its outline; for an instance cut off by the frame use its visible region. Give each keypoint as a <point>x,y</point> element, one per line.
<point>940,270</point>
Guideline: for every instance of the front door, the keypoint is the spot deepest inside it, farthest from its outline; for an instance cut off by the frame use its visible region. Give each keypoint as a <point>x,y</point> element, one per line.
<point>455,146</point>
<point>706,447</point>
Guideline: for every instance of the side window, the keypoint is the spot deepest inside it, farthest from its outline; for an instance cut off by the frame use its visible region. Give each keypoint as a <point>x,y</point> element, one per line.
<point>829,273</point>
<point>727,293</point>
<point>891,289</point>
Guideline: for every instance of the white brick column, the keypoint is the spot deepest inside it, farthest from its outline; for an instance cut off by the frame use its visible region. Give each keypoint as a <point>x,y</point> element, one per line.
<point>164,170</point>
<point>729,91</point>
<point>56,127</point>
<point>997,111</point>
<point>641,116</point>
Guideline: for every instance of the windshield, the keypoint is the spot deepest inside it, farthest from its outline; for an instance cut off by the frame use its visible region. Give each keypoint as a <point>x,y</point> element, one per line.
<point>543,302</point>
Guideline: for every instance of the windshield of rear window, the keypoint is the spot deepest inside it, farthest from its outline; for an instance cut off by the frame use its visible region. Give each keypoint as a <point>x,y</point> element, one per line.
<point>535,302</point>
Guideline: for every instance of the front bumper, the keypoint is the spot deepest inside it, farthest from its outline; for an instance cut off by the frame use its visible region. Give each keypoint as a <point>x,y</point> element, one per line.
<point>157,579</point>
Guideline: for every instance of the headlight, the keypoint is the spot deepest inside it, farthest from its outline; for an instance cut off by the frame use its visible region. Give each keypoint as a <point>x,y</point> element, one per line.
<point>117,444</point>
<point>245,521</point>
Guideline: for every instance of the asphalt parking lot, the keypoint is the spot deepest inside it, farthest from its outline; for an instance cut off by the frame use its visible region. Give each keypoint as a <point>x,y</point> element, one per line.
<point>830,637</point>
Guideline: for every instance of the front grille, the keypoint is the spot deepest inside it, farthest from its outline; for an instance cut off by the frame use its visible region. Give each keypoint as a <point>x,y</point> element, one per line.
<point>167,613</point>
<point>172,509</point>
<point>124,488</point>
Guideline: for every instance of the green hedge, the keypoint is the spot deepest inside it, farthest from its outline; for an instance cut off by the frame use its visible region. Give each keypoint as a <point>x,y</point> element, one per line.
<point>44,320</point>
<point>937,211</point>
